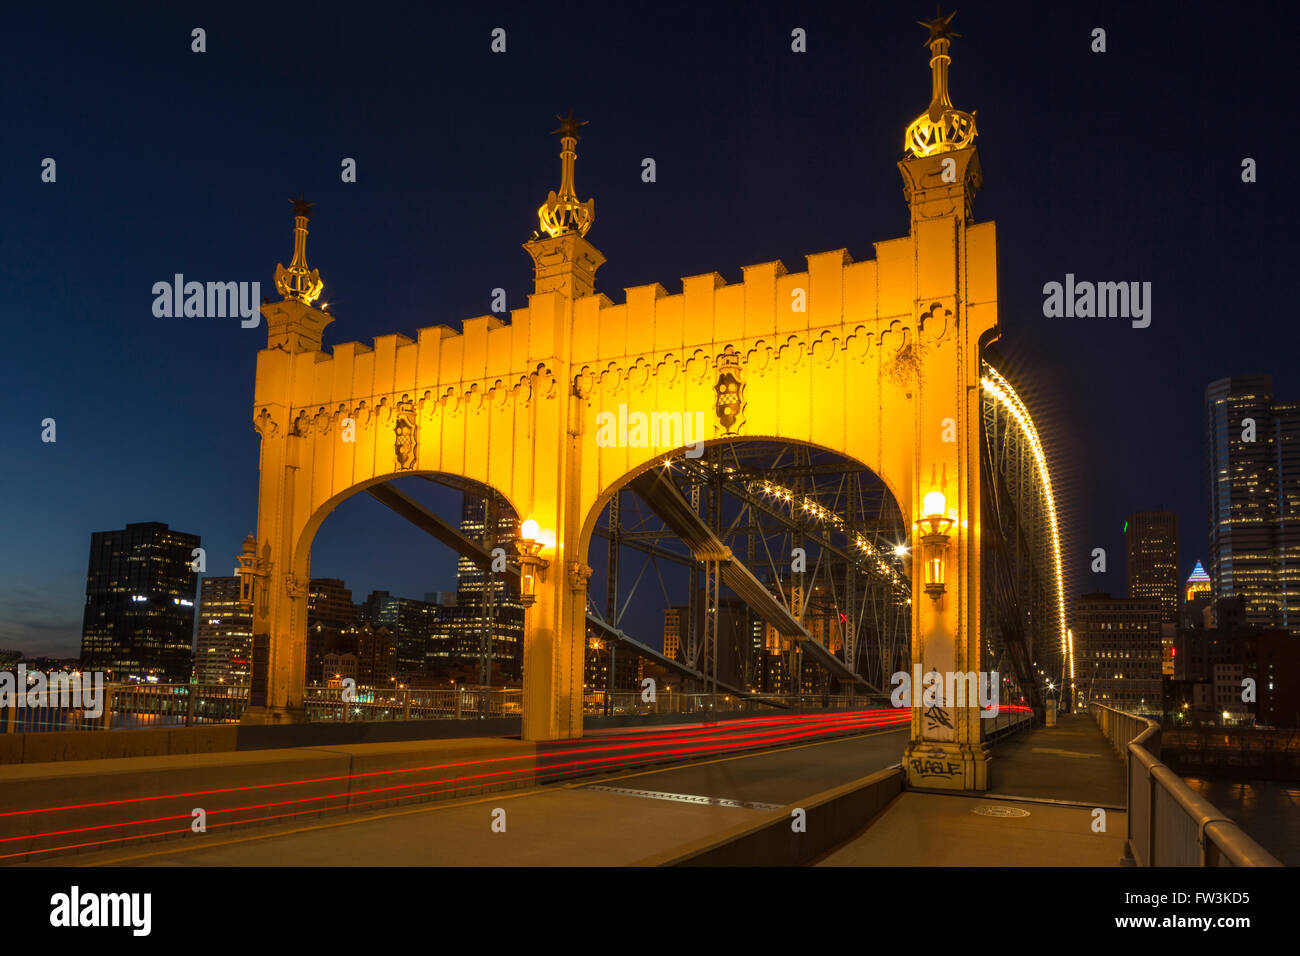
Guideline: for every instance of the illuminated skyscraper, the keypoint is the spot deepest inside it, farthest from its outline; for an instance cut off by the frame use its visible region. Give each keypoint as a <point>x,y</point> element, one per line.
<point>1153,572</point>
<point>1254,462</point>
<point>1153,560</point>
<point>1198,598</point>
<point>408,623</point>
<point>672,633</point>
<point>493,524</point>
<point>140,586</point>
<point>225,634</point>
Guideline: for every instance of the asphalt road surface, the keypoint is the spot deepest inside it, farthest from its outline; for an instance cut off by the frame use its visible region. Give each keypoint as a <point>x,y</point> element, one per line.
<point>611,820</point>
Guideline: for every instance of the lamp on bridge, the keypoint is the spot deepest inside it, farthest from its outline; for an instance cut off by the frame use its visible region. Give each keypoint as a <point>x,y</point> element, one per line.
<point>935,542</point>
<point>250,571</point>
<point>532,566</point>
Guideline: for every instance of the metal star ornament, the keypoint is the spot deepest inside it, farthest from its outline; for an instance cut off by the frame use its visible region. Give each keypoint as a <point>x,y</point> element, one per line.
<point>939,27</point>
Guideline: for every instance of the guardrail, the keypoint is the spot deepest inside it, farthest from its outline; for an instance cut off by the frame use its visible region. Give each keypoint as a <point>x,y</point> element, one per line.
<point>632,703</point>
<point>140,706</point>
<point>1168,823</point>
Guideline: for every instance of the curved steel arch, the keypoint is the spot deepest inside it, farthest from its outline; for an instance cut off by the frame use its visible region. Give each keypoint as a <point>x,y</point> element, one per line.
<point>1025,589</point>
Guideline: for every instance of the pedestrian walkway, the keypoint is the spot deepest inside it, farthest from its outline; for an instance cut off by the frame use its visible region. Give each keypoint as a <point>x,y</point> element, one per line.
<point>1053,791</point>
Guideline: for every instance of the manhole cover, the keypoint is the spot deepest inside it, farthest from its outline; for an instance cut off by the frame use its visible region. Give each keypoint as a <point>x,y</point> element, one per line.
<point>1000,812</point>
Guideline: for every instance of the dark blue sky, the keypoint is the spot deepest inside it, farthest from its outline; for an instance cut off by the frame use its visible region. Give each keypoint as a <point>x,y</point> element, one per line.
<point>1118,166</point>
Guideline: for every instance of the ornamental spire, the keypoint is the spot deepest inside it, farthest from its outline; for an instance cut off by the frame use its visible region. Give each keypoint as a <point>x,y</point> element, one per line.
<point>941,127</point>
<point>563,213</point>
<point>296,282</point>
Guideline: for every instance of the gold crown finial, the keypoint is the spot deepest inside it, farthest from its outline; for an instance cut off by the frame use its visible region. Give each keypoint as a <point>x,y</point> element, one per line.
<point>562,213</point>
<point>941,127</point>
<point>297,282</point>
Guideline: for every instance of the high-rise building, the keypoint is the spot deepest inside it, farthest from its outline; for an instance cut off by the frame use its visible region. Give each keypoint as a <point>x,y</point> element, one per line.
<point>329,612</point>
<point>1254,471</point>
<point>1198,600</point>
<point>672,633</point>
<point>140,590</point>
<point>225,637</point>
<point>329,602</point>
<point>1153,573</point>
<point>408,624</point>
<point>1118,652</point>
<point>487,609</point>
<point>374,652</point>
<point>1153,561</point>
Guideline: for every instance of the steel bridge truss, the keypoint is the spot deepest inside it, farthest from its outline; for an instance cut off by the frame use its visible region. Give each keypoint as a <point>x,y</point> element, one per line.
<point>847,596</point>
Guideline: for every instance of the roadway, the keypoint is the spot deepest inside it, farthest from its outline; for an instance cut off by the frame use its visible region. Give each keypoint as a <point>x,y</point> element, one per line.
<point>610,820</point>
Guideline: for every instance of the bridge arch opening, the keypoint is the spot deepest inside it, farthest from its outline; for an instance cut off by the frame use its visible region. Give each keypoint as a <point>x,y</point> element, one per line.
<point>758,567</point>
<point>454,625</point>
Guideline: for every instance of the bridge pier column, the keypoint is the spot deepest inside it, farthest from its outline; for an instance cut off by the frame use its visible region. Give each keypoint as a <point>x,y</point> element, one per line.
<point>954,316</point>
<point>279,575</point>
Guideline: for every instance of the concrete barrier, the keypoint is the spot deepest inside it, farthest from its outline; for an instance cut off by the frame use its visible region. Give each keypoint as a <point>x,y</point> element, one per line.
<point>52,809</point>
<point>831,818</point>
<point>76,745</point>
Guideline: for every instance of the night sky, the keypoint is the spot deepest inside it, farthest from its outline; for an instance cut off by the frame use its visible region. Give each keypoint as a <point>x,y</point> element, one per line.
<point>1120,166</point>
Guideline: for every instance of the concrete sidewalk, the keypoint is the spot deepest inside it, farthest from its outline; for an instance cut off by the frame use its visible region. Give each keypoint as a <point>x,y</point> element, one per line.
<point>928,829</point>
<point>1061,777</point>
<point>1070,762</point>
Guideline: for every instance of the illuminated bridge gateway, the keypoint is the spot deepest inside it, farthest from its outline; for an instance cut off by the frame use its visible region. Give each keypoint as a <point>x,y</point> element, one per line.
<point>869,497</point>
<point>821,474</point>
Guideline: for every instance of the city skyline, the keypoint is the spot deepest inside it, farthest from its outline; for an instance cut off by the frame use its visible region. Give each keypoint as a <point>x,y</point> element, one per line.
<point>378,260</point>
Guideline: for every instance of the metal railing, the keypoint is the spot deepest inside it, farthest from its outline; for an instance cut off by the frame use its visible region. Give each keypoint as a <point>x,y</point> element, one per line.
<point>140,706</point>
<point>632,703</point>
<point>407,703</point>
<point>1168,823</point>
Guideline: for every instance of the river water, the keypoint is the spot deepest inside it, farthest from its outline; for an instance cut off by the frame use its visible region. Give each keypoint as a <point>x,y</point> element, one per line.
<point>1267,810</point>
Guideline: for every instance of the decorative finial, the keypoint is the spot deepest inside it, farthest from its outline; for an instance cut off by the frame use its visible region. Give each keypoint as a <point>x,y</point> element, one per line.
<point>939,27</point>
<point>941,127</point>
<point>563,213</point>
<point>296,282</point>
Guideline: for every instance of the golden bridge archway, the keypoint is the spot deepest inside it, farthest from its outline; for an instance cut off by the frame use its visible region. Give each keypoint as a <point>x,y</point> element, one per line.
<point>877,360</point>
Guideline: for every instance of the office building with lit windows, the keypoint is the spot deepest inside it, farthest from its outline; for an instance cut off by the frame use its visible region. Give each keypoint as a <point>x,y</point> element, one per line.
<point>1152,551</point>
<point>1118,652</point>
<point>672,633</point>
<point>330,611</point>
<point>409,624</point>
<point>1254,474</point>
<point>1152,539</point>
<point>225,634</point>
<point>1198,600</point>
<point>488,611</point>
<point>140,591</point>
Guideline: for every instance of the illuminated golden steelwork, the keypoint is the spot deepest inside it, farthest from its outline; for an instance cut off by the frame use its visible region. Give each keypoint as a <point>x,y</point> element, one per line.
<point>999,388</point>
<point>297,281</point>
<point>563,213</point>
<point>516,406</point>
<point>941,127</point>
